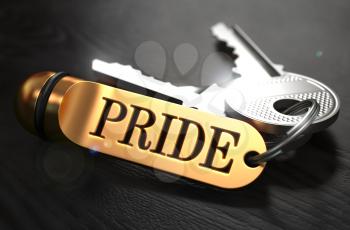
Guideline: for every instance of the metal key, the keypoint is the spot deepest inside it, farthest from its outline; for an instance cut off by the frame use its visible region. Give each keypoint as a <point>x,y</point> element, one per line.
<point>263,89</point>
<point>186,94</point>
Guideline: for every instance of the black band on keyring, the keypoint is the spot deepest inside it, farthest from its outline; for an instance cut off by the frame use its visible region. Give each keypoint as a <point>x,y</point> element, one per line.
<point>41,102</point>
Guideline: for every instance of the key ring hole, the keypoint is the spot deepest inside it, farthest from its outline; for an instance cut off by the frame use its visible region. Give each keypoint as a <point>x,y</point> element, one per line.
<point>247,159</point>
<point>282,106</point>
<point>313,108</point>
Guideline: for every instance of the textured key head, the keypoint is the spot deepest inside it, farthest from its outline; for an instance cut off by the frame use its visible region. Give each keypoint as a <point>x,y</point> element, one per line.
<point>262,101</point>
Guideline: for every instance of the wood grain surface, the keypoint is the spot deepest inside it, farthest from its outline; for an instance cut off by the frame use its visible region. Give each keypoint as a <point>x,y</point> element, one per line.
<point>45,185</point>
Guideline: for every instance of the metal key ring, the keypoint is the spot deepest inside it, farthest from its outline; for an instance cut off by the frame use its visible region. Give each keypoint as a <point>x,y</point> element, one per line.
<point>313,109</point>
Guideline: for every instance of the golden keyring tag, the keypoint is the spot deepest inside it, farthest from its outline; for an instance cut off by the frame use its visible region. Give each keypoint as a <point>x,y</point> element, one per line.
<point>152,132</point>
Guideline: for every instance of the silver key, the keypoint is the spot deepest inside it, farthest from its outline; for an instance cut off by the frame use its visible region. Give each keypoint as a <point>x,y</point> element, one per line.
<point>186,94</point>
<point>263,89</point>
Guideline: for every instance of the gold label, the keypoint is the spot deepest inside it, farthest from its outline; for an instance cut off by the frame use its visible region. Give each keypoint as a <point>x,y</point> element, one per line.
<point>160,134</point>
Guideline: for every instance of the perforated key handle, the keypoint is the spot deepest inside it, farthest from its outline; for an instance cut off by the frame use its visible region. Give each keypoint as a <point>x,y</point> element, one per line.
<point>261,101</point>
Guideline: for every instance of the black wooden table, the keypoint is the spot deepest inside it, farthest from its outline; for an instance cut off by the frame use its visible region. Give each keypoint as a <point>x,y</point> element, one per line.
<point>47,185</point>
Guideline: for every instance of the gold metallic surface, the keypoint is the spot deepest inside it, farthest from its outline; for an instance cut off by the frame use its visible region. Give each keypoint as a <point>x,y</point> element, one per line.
<point>81,108</point>
<point>27,98</point>
<point>51,126</point>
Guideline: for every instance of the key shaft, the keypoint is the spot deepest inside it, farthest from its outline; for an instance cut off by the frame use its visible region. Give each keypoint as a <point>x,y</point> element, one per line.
<point>256,52</point>
<point>251,61</point>
<point>187,94</point>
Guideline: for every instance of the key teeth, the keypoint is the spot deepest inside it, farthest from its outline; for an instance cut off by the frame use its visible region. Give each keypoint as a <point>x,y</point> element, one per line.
<point>135,71</point>
<point>132,69</point>
<point>220,37</point>
<point>222,32</point>
<point>148,82</point>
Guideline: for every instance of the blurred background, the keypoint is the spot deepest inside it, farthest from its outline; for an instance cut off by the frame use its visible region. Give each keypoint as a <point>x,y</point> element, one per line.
<point>47,185</point>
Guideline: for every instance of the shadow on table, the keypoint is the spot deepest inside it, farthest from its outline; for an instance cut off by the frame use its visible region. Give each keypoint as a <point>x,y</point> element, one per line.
<point>311,166</point>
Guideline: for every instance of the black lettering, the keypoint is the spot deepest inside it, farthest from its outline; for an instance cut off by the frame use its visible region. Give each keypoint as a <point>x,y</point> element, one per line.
<point>215,146</point>
<point>181,138</point>
<point>163,134</point>
<point>133,124</point>
<point>104,116</point>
